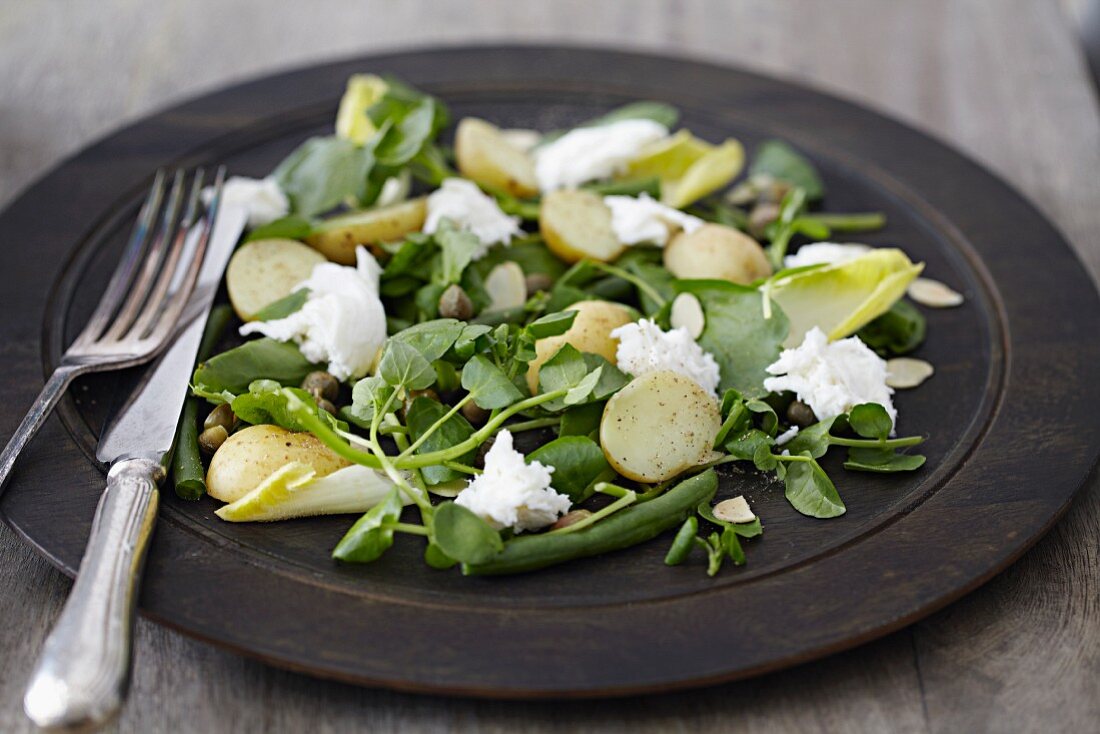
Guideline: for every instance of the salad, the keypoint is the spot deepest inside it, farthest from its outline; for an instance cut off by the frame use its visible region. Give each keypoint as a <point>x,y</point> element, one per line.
<point>614,297</point>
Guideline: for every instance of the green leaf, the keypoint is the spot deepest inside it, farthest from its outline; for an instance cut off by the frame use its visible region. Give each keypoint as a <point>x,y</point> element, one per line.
<point>581,420</point>
<point>811,492</point>
<point>457,248</point>
<point>775,159</point>
<point>552,324</point>
<point>683,543</point>
<point>324,173</point>
<point>466,344</point>
<point>431,338</point>
<point>266,403</point>
<point>408,133</point>
<point>898,331</point>
<point>732,546</point>
<point>580,392</point>
<point>436,558</point>
<point>739,336</point>
<point>882,460</point>
<point>813,440</point>
<point>744,529</point>
<point>578,463</point>
<point>562,371</point>
<point>290,227</point>
<point>464,536</point>
<point>746,445</point>
<point>659,112</point>
<point>372,534</point>
<point>870,420</point>
<point>367,397</point>
<point>611,379</point>
<point>421,415</point>
<point>763,458</point>
<point>402,365</point>
<point>489,385</point>
<point>261,359</point>
<point>283,307</point>
<point>530,254</point>
<point>769,423</point>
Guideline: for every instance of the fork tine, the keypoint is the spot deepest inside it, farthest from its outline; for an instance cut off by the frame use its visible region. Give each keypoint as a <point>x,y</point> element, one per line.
<point>177,300</point>
<point>128,264</point>
<point>169,273</point>
<point>139,291</point>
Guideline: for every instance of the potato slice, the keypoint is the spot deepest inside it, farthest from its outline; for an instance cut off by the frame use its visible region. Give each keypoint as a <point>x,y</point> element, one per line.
<point>264,271</point>
<point>506,286</point>
<point>717,252</point>
<point>252,454</point>
<point>658,426</point>
<point>337,238</point>
<point>590,332</point>
<point>577,225</point>
<point>485,155</point>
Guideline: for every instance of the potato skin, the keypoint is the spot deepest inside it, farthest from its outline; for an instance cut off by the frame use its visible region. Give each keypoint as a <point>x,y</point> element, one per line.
<point>337,238</point>
<point>658,426</point>
<point>263,271</point>
<point>577,225</point>
<point>717,252</point>
<point>590,332</point>
<point>487,157</point>
<point>250,455</point>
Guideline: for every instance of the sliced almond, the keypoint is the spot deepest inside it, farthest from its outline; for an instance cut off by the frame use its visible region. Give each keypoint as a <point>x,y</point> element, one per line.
<point>934,294</point>
<point>906,372</point>
<point>734,510</point>
<point>506,286</point>
<point>688,313</point>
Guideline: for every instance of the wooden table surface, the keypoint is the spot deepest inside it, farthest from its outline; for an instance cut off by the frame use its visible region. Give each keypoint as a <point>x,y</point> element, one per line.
<point>1004,81</point>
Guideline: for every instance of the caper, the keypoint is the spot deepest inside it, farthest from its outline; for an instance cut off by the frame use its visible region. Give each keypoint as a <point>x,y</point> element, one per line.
<point>537,282</point>
<point>221,416</point>
<point>326,405</point>
<point>570,518</point>
<point>211,439</point>
<point>321,385</point>
<point>474,413</point>
<point>455,304</point>
<point>761,216</point>
<point>801,415</point>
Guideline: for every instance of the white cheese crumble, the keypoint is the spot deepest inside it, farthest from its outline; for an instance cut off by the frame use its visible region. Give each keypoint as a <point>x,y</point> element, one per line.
<point>260,197</point>
<point>824,253</point>
<point>343,322</point>
<point>644,348</point>
<point>644,219</point>
<point>832,378</point>
<point>787,436</point>
<point>591,153</point>
<point>469,208</point>
<point>512,493</point>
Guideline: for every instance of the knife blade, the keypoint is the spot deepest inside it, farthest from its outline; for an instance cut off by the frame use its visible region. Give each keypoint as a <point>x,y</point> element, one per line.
<point>145,425</point>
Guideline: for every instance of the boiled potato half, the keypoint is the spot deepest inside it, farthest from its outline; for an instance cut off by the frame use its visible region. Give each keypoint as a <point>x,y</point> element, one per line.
<point>590,332</point>
<point>250,455</point>
<point>337,238</point>
<point>577,225</point>
<point>658,426</point>
<point>485,155</point>
<point>264,271</point>
<point>717,252</point>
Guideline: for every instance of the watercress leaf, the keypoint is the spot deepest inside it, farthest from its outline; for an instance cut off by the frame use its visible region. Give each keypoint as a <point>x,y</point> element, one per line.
<point>562,371</point>
<point>778,160</point>
<point>409,132</point>
<point>769,421</point>
<point>431,338</point>
<point>467,342</point>
<point>744,529</point>
<point>323,173</point>
<point>810,491</point>
<point>235,369</point>
<point>611,379</point>
<point>683,543</point>
<point>458,248</point>
<point>436,558</point>
<point>581,420</point>
<point>737,333</point>
<point>531,254</point>
<point>266,403</point>
<point>403,366</point>
<point>578,464</point>
<point>283,307</point>
<point>580,392</point>
<point>410,257</point>
<point>736,418</point>
<point>732,546</point>
<point>552,324</point>
<point>464,536</point>
<point>870,420</point>
<point>898,331</point>
<point>763,458</point>
<point>421,415</point>
<point>488,384</point>
<point>372,534</point>
<point>745,446</point>
<point>658,112</point>
<point>813,440</point>
<point>882,460</point>
<point>290,227</point>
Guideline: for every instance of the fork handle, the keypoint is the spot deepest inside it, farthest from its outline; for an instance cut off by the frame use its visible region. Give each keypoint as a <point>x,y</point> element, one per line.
<point>36,416</point>
<point>82,676</point>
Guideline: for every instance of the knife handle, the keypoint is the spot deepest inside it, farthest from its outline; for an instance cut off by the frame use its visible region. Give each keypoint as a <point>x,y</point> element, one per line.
<point>82,676</point>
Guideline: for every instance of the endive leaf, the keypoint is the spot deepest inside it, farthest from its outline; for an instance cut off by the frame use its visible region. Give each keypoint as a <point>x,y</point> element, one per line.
<point>689,168</point>
<point>352,121</point>
<point>840,299</point>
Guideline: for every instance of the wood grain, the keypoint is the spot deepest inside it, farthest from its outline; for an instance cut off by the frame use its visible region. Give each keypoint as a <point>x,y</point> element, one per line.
<point>1004,83</point>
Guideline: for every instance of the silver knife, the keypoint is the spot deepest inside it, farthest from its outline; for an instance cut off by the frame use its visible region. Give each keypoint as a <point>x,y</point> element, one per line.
<point>83,673</point>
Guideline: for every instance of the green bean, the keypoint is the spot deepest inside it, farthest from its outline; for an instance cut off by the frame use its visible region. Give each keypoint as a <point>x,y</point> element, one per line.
<point>624,529</point>
<point>188,474</point>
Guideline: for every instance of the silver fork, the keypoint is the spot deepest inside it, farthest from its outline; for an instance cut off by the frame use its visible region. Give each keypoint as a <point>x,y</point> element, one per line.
<point>142,304</point>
